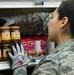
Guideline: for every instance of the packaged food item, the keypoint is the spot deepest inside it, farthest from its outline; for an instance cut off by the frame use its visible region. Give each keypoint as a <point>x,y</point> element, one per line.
<point>43,45</point>
<point>15,33</point>
<point>34,46</point>
<point>5,34</point>
<point>5,47</point>
<point>0,38</point>
<point>0,35</point>
<point>40,46</point>
<point>31,47</point>
<point>25,44</point>
<point>0,53</point>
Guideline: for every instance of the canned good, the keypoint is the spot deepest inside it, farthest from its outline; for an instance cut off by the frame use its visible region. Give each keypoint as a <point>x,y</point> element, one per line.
<point>15,33</point>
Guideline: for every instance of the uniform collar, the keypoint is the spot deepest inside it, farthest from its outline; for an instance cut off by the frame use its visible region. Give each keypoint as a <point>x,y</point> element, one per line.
<point>64,45</point>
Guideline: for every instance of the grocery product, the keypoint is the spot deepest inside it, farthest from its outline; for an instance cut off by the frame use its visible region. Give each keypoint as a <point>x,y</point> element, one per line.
<point>0,53</point>
<point>5,47</point>
<point>5,34</point>
<point>15,33</point>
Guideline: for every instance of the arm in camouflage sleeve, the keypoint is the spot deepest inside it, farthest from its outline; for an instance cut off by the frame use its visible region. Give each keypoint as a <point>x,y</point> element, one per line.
<point>20,60</point>
<point>44,68</point>
<point>47,68</point>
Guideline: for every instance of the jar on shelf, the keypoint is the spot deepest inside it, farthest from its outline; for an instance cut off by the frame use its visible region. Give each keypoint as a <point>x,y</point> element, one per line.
<point>5,47</point>
<point>15,33</point>
<point>0,38</point>
<point>0,53</point>
<point>5,34</point>
<point>0,35</point>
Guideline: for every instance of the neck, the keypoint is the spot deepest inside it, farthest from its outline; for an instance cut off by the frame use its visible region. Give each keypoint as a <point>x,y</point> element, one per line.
<point>63,39</point>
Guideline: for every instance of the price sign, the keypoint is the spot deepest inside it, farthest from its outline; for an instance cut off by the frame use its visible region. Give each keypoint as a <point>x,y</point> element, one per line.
<point>38,2</point>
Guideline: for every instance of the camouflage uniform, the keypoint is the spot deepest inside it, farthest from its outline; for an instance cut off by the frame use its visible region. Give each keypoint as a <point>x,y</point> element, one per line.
<point>60,62</point>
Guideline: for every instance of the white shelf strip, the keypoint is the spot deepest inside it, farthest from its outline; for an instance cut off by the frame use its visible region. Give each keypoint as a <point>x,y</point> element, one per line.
<point>4,65</point>
<point>28,4</point>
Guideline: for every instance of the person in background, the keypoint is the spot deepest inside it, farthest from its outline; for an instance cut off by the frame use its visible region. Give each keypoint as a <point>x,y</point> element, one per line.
<point>60,31</point>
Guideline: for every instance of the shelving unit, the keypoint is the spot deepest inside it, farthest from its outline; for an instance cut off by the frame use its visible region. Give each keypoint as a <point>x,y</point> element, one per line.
<point>5,65</point>
<point>27,4</point>
<point>7,5</point>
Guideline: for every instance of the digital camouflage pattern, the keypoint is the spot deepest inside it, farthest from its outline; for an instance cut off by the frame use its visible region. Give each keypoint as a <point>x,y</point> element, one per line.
<point>60,62</point>
<point>20,71</point>
<point>30,24</point>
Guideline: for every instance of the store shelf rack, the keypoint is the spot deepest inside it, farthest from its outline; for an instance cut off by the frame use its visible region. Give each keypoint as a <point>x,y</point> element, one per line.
<point>22,4</point>
<point>5,65</point>
<point>27,4</point>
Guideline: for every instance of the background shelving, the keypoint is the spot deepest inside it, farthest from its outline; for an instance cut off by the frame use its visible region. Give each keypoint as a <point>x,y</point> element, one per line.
<point>14,7</point>
<point>27,4</point>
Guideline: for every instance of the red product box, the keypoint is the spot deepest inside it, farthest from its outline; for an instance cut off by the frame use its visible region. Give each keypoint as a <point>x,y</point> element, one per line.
<point>25,44</point>
<point>40,46</point>
<point>31,47</point>
<point>34,47</point>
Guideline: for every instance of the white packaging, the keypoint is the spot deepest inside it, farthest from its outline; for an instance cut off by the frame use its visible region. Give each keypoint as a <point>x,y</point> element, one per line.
<point>38,46</point>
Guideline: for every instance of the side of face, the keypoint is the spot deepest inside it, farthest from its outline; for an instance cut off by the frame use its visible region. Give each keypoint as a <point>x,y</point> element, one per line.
<point>53,27</point>
<point>58,29</point>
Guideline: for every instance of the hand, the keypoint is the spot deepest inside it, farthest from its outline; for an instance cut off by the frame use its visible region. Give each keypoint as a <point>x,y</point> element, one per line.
<point>19,56</point>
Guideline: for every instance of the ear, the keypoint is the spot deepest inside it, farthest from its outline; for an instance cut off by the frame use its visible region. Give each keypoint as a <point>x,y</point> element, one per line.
<point>64,22</point>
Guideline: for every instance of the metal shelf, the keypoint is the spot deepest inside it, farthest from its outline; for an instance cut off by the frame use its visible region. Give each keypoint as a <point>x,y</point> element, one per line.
<point>27,4</point>
<point>5,65</point>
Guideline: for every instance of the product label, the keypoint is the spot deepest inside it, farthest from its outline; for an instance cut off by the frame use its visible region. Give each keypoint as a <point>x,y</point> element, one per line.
<point>31,45</point>
<point>38,2</point>
<point>0,54</point>
<point>31,48</point>
<point>25,45</point>
<point>6,35</point>
<point>4,53</point>
<point>0,38</point>
<point>15,35</point>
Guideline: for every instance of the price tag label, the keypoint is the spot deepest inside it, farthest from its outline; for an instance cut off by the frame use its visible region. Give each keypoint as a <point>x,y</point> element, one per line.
<point>38,2</point>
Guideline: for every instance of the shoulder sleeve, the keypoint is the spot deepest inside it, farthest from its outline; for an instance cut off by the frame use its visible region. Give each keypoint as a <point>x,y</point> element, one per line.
<point>47,68</point>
